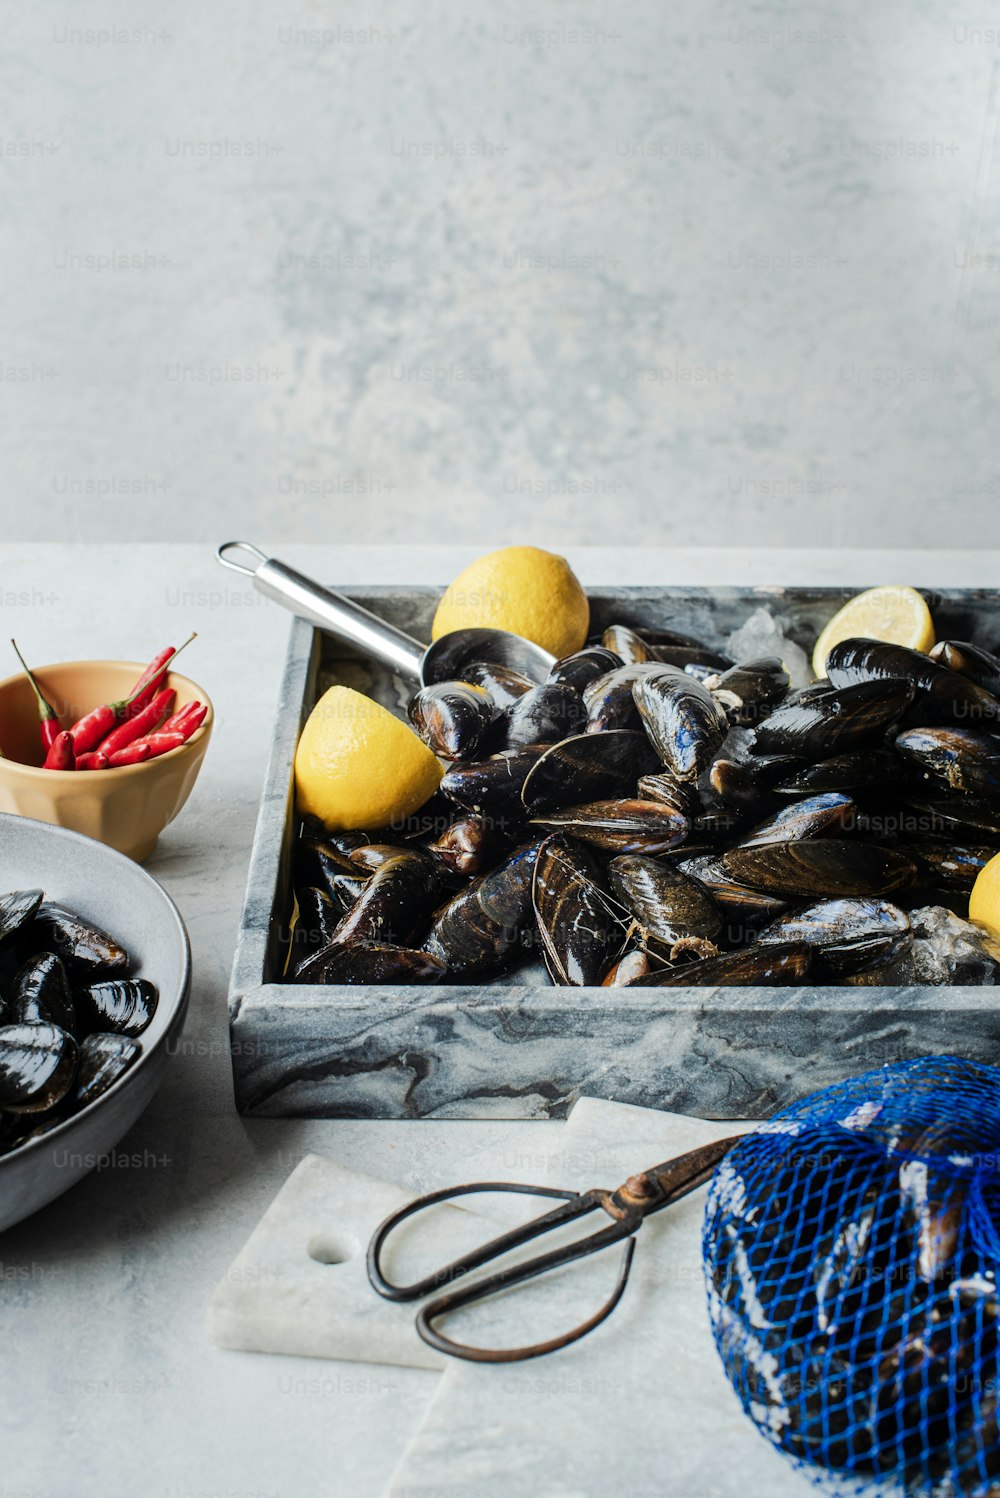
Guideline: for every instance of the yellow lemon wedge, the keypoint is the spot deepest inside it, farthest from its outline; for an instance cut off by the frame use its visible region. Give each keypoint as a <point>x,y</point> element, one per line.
<point>894,613</point>
<point>523,589</point>
<point>984,902</point>
<point>358,766</point>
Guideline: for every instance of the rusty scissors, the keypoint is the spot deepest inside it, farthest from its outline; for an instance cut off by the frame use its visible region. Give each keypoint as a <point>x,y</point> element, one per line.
<point>628,1206</point>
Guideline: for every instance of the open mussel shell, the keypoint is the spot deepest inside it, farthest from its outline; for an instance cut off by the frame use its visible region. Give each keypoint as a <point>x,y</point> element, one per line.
<point>452,717</point>
<point>579,930</point>
<point>83,947</point>
<point>16,910</point>
<point>609,700</point>
<point>774,965</point>
<point>623,826</point>
<point>971,661</point>
<point>748,690</point>
<point>493,786</point>
<point>822,866</point>
<point>543,715</point>
<point>849,936</point>
<point>961,759</point>
<point>834,720</point>
<point>103,1059</point>
<point>943,696</point>
<point>630,966</point>
<point>124,1006</point>
<point>42,994</point>
<point>684,722</point>
<point>37,1065</point>
<point>665,902</point>
<point>364,962</point>
<point>584,666</point>
<point>396,905</point>
<point>503,683</point>
<point>587,767</point>
<point>830,812</point>
<point>856,770</point>
<point>486,927</point>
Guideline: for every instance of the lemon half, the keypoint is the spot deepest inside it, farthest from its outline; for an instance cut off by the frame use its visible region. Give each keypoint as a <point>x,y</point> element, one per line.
<point>894,613</point>
<point>984,902</point>
<point>356,766</point>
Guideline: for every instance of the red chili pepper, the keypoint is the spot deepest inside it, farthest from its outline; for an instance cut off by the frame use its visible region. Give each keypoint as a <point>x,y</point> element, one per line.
<point>187,711</point>
<point>143,723</point>
<point>95,760</point>
<point>48,721</point>
<point>93,728</point>
<point>61,756</point>
<point>161,742</point>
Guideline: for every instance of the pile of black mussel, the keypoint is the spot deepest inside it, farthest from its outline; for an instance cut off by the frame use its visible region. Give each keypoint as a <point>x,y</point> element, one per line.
<point>69,1015</point>
<point>655,813</point>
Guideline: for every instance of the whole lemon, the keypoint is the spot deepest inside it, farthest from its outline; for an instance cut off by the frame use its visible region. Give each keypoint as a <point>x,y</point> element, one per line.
<point>356,766</point>
<point>523,589</point>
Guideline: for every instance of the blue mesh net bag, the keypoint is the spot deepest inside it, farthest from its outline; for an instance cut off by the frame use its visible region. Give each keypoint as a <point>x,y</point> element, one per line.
<point>851,1253</point>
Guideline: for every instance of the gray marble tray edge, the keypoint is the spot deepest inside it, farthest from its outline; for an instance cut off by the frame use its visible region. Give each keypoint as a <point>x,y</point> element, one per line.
<point>348,1052</point>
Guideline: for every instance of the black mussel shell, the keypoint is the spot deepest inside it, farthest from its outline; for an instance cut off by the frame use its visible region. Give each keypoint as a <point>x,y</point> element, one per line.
<point>503,683</point>
<point>395,906</point>
<point>364,962</point>
<point>623,826</point>
<point>580,933</point>
<point>665,902</point>
<point>37,1065</point>
<point>485,928</point>
<point>747,784</point>
<point>543,716</point>
<point>469,845</point>
<point>962,759</point>
<point>695,660</point>
<point>820,866</point>
<point>626,644</point>
<point>850,936</point>
<point>493,786</point>
<point>834,720</point>
<point>684,722</point>
<point>943,696</point>
<point>952,816</point>
<point>584,666</point>
<point>319,863</point>
<point>453,717</point>
<point>103,1059</point>
<point>42,994</point>
<point>856,770</point>
<point>82,946</point>
<point>316,919</point>
<point>773,965</point>
<point>587,767</point>
<point>609,699</point>
<point>830,812</point>
<point>16,909</point>
<point>739,903</point>
<point>371,856</point>
<point>125,1005</point>
<point>949,865</point>
<point>971,661</point>
<point>747,691</point>
<point>631,966</point>
<point>669,791</point>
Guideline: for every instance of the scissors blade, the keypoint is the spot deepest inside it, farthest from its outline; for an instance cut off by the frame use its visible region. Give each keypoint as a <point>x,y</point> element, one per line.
<point>685,1173</point>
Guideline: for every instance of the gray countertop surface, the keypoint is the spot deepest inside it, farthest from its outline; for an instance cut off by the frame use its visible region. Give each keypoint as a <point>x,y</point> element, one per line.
<point>104,1292</point>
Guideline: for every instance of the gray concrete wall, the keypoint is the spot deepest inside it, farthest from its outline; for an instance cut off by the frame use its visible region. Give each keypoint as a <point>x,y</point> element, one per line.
<point>685,272</point>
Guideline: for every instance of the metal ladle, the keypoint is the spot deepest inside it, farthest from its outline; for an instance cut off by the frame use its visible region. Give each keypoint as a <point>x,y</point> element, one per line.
<point>348,621</point>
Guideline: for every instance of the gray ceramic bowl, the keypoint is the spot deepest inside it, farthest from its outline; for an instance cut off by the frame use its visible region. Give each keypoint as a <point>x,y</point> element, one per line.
<point>115,893</point>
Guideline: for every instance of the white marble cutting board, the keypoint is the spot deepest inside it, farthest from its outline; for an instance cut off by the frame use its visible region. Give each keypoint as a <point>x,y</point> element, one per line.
<point>558,1427</point>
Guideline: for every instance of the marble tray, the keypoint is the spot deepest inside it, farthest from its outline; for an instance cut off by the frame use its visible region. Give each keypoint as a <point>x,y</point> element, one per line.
<point>520,1048</point>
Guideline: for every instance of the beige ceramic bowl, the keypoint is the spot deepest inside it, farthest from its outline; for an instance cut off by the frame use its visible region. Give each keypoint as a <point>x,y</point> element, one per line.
<point>126,808</point>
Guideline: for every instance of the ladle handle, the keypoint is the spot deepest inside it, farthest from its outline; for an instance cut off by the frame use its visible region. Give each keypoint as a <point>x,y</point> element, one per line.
<point>330,611</point>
